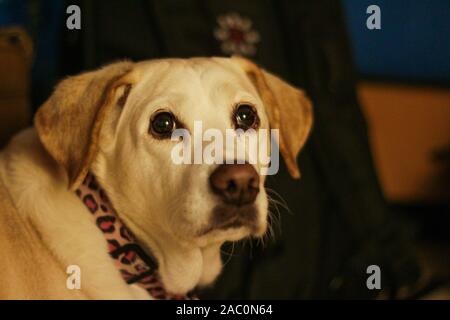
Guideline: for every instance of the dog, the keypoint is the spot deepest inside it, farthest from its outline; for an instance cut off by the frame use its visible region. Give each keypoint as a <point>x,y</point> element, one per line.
<point>115,124</point>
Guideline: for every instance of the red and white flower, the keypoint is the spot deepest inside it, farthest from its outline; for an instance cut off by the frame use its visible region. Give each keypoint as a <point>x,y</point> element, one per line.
<point>236,34</point>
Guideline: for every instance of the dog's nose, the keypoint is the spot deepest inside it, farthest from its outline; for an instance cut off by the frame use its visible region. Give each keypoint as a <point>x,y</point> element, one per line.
<point>236,184</point>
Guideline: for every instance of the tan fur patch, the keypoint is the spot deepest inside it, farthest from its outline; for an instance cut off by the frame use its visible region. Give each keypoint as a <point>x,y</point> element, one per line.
<point>288,109</point>
<point>69,122</point>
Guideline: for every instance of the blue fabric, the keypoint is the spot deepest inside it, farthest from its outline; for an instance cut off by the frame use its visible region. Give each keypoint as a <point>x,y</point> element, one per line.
<point>413,43</point>
<point>46,34</point>
<point>13,12</point>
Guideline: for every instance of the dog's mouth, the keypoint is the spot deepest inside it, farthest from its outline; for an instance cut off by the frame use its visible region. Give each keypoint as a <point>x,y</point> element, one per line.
<point>225,217</point>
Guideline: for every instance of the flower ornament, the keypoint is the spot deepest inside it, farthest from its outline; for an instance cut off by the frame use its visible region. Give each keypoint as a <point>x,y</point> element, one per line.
<point>236,34</point>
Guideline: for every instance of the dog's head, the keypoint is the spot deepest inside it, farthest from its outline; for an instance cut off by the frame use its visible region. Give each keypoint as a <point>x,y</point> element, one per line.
<point>118,122</point>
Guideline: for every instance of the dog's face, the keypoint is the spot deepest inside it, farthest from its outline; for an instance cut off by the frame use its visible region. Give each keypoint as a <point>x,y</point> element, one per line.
<point>185,200</point>
<point>119,122</point>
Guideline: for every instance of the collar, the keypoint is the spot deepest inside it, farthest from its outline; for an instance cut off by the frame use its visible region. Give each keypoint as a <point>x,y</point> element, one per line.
<point>135,265</point>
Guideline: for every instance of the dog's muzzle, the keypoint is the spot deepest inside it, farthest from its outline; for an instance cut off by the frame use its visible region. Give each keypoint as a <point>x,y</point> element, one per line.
<point>237,186</point>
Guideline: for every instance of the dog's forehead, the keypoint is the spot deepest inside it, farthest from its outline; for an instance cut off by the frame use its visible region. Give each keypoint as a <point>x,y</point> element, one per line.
<point>196,89</point>
<point>216,77</point>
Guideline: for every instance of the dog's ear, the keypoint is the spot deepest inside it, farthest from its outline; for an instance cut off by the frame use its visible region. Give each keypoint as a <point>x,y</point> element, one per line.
<point>69,122</point>
<point>288,109</point>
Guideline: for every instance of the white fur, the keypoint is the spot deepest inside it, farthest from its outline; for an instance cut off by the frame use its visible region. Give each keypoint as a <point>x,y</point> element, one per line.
<point>165,205</point>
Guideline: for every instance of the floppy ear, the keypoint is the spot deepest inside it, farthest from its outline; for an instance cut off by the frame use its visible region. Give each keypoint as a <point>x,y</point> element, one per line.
<point>69,122</point>
<point>288,109</point>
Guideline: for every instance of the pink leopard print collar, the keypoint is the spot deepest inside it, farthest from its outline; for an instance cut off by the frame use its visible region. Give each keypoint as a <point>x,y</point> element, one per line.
<point>133,263</point>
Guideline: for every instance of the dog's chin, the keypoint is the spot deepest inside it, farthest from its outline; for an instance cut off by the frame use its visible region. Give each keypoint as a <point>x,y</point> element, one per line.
<point>232,224</point>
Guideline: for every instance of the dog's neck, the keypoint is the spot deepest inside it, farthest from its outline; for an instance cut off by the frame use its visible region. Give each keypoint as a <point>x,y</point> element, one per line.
<point>165,268</point>
<point>182,267</point>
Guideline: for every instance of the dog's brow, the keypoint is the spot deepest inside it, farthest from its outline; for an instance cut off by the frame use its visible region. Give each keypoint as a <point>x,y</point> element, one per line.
<point>124,96</point>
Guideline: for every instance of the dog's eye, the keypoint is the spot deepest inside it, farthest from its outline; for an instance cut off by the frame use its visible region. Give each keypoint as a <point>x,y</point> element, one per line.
<point>245,117</point>
<point>162,124</point>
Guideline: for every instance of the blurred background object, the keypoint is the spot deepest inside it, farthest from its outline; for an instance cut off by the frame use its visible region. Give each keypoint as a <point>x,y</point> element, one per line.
<point>410,136</point>
<point>337,220</point>
<point>29,74</point>
<point>405,73</point>
<point>15,64</point>
<point>404,89</point>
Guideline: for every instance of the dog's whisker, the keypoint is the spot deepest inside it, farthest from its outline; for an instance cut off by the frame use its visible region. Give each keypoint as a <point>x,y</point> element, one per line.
<point>275,197</point>
<point>270,235</point>
<point>274,216</point>
<point>230,255</point>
